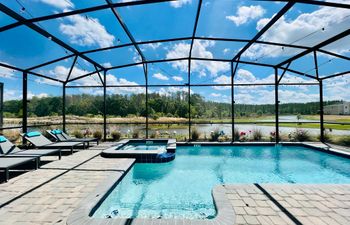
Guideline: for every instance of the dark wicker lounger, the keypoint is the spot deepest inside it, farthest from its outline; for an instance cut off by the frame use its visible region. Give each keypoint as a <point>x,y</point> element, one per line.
<point>39,141</point>
<point>61,136</point>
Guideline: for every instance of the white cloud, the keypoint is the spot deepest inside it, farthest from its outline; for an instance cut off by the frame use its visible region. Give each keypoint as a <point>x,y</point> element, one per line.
<point>245,76</point>
<point>223,79</point>
<point>177,78</point>
<point>153,46</point>
<point>61,73</point>
<point>40,95</point>
<point>246,13</point>
<point>86,32</point>
<point>298,30</point>
<point>107,64</point>
<point>62,4</point>
<point>179,50</point>
<point>200,51</point>
<point>337,88</point>
<point>160,76</point>
<point>180,3</point>
<point>10,94</point>
<point>113,80</point>
<point>225,51</point>
<point>170,90</point>
<point>6,73</point>
<point>215,95</point>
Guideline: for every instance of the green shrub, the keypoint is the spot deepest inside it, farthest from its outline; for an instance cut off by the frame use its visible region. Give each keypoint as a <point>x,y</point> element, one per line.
<point>257,135</point>
<point>345,140</point>
<point>78,134</point>
<point>153,135</point>
<point>243,136</point>
<point>116,135</point>
<point>301,135</point>
<point>214,135</point>
<point>194,135</point>
<point>236,135</point>
<point>98,134</point>
<point>136,134</point>
<point>326,137</point>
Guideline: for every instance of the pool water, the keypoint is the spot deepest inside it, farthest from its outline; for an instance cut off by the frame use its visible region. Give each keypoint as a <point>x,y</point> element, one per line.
<point>144,146</point>
<point>182,188</point>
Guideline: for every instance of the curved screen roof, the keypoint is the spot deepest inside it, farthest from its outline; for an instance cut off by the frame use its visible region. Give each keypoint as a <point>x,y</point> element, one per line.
<point>67,40</point>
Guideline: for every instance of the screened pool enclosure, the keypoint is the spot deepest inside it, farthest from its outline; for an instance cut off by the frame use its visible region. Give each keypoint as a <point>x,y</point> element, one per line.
<point>242,57</point>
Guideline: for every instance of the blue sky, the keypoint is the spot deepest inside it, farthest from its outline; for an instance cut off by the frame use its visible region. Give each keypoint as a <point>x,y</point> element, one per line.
<point>304,25</point>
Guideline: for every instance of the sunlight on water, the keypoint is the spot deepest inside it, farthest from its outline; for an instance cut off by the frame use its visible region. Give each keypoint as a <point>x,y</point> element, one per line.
<point>182,188</point>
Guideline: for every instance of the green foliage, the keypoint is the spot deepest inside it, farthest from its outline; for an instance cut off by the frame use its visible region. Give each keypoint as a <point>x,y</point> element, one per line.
<point>257,135</point>
<point>259,112</point>
<point>136,134</point>
<point>156,116</point>
<point>174,104</point>
<point>77,134</point>
<point>194,135</point>
<point>345,140</point>
<point>214,135</point>
<point>301,135</point>
<point>97,134</point>
<point>236,135</point>
<point>116,135</point>
<point>9,115</point>
<point>326,136</point>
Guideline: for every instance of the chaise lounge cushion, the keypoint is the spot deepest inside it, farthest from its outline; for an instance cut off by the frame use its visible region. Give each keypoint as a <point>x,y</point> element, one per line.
<point>57,131</point>
<point>33,134</point>
<point>2,139</point>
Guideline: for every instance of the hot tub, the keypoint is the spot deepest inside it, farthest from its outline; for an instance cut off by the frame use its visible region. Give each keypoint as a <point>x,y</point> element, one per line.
<point>144,151</point>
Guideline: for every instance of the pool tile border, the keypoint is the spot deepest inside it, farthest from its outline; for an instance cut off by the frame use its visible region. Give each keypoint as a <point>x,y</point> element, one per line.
<point>82,214</point>
<point>312,145</point>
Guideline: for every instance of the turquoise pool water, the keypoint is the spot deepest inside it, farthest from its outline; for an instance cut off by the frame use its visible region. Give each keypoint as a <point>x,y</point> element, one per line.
<point>145,146</point>
<point>182,188</point>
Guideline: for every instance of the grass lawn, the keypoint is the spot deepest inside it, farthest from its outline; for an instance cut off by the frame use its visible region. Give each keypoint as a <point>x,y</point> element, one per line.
<point>178,123</point>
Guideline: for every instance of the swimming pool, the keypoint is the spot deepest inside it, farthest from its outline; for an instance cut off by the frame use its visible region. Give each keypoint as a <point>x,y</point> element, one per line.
<point>182,188</point>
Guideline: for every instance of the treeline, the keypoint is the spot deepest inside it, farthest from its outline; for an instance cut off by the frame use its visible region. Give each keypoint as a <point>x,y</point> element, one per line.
<point>172,105</point>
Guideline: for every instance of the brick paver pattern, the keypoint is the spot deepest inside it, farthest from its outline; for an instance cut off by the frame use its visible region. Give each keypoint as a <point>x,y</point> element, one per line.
<point>48,195</point>
<point>279,204</point>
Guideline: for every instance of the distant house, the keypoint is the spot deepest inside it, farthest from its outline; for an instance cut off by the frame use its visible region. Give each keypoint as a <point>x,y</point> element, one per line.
<point>337,109</point>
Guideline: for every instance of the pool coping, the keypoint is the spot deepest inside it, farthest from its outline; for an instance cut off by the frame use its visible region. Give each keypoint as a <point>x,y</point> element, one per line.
<point>82,214</point>
<point>225,212</point>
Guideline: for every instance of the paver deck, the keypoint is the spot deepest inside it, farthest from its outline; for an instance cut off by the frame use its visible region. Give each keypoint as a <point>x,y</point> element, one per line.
<point>50,194</point>
<point>281,204</point>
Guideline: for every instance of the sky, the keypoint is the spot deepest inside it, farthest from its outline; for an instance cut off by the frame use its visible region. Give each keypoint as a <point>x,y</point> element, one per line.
<point>303,24</point>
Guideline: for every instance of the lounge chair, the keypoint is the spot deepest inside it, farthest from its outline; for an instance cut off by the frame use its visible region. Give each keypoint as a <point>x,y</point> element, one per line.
<point>9,162</point>
<point>40,141</point>
<point>9,149</point>
<point>61,136</point>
